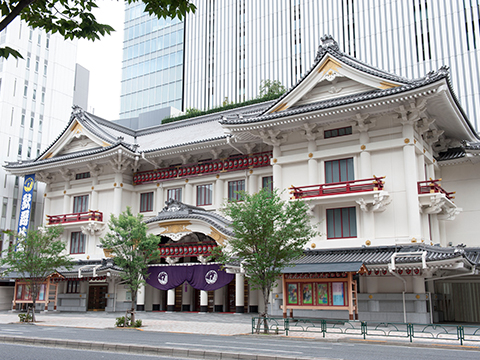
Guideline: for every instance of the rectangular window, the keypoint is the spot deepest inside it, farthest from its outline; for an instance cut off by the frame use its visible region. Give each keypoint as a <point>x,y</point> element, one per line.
<point>20,145</point>
<point>204,194</point>
<point>84,175</point>
<point>337,132</point>
<point>77,243</point>
<point>146,202</point>
<point>234,187</point>
<point>267,182</point>
<point>80,204</point>
<point>73,287</point>
<point>175,194</point>
<point>341,223</point>
<point>339,170</point>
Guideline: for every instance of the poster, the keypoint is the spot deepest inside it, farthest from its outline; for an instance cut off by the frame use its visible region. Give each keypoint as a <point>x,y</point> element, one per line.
<point>292,294</point>
<point>307,296</point>
<point>322,291</point>
<point>338,293</point>
<point>41,293</point>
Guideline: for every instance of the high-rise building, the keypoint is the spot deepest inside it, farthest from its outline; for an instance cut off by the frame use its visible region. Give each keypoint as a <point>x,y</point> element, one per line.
<point>152,68</point>
<point>36,95</point>
<point>229,46</point>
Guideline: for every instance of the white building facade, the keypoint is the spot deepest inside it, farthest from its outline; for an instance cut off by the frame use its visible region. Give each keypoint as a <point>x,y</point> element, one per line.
<point>377,156</point>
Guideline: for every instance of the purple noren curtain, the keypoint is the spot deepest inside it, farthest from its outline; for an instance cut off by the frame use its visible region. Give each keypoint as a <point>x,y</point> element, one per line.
<point>200,277</point>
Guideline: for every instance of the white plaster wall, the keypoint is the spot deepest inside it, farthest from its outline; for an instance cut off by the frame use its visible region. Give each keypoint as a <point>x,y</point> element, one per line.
<point>464,179</point>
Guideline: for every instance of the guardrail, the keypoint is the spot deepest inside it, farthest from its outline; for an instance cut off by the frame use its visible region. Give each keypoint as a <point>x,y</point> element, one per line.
<point>454,332</point>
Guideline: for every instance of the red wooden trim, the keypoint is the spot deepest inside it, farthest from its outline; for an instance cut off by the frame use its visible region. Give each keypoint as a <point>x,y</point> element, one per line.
<point>433,186</point>
<point>338,188</point>
<point>233,163</point>
<point>74,217</point>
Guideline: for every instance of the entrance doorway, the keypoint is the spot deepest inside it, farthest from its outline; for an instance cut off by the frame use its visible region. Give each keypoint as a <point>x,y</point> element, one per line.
<point>96,297</point>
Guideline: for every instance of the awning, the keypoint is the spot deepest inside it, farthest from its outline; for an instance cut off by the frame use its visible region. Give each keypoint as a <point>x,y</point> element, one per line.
<point>324,267</point>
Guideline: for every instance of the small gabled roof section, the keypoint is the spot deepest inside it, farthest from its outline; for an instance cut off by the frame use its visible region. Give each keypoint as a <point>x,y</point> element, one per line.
<point>334,74</point>
<point>81,134</point>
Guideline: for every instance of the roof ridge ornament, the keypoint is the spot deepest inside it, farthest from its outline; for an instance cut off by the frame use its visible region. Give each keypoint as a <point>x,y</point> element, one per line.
<point>329,42</point>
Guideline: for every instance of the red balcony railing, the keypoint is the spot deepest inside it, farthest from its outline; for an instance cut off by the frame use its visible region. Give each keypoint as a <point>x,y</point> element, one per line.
<point>338,188</point>
<point>433,186</point>
<point>75,217</point>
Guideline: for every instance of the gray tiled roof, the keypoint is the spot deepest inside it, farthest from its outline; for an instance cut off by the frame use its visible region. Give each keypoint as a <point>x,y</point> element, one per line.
<point>383,255</point>
<point>178,210</point>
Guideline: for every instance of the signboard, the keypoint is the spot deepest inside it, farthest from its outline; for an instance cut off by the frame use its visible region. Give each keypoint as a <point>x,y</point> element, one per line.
<point>26,204</point>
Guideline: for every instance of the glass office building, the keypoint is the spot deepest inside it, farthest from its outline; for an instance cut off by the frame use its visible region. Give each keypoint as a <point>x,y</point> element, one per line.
<point>230,46</point>
<point>152,67</point>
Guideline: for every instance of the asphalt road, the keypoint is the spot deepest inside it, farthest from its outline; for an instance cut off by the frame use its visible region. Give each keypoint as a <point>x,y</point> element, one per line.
<point>19,352</point>
<point>266,345</point>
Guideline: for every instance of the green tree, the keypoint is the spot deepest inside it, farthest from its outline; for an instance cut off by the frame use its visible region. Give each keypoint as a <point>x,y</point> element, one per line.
<point>74,18</point>
<point>268,234</point>
<point>132,249</point>
<point>271,88</point>
<point>35,256</point>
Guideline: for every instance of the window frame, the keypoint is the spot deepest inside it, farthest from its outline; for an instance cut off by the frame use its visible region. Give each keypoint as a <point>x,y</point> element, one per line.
<point>77,244</point>
<point>338,169</point>
<point>206,191</point>
<point>84,199</point>
<point>233,187</point>
<point>332,215</point>
<point>146,202</point>
<point>177,194</point>
<point>347,130</point>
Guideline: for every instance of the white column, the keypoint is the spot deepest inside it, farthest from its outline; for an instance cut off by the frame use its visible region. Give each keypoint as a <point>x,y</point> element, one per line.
<point>277,169</point>
<point>203,301</point>
<point>365,161</point>
<point>218,299</point>
<point>111,294</point>
<point>67,209</point>
<point>312,164</point>
<point>239,293</point>
<point>46,204</point>
<point>218,193</point>
<point>171,300</point>
<point>117,194</point>
<point>94,198</point>
<point>435,229</point>
<point>141,298</point>
<point>160,204</point>
<point>189,194</point>
<point>252,184</point>
<point>411,191</point>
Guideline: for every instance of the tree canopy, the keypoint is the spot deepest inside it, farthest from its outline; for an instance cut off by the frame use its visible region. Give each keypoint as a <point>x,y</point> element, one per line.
<point>132,249</point>
<point>74,18</point>
<point>269,234</point>
<point>270,88</point>
<point>35,256</point>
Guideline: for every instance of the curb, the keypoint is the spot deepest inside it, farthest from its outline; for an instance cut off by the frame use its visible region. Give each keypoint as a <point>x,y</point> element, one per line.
<point>140,349</point>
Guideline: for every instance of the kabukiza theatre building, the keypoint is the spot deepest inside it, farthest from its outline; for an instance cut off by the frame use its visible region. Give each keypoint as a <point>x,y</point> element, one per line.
<point>388,165</point>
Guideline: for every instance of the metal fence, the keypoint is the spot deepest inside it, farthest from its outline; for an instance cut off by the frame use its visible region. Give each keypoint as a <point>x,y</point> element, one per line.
<point>455,332</point>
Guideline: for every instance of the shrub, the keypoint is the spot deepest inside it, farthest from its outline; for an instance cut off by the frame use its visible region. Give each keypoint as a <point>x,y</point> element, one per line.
<point>25,317</point>
<point>120,322</point>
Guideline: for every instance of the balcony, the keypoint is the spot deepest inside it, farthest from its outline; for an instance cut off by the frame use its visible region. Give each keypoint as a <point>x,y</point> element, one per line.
<point>432,187</point>
<point>63,219</point>
<point>369,194</point>
<point>338,188</point>
<point>434,199</point>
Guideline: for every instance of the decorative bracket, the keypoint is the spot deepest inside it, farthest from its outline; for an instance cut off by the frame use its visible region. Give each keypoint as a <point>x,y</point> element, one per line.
<point>377,203</point>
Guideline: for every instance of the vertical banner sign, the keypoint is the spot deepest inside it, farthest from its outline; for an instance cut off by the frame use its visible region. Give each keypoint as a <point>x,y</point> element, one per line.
<point>26,204</point>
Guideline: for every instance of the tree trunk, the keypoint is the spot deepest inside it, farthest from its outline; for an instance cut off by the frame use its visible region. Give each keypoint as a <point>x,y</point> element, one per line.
<point>132,310</point>
<point>34,300</point>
